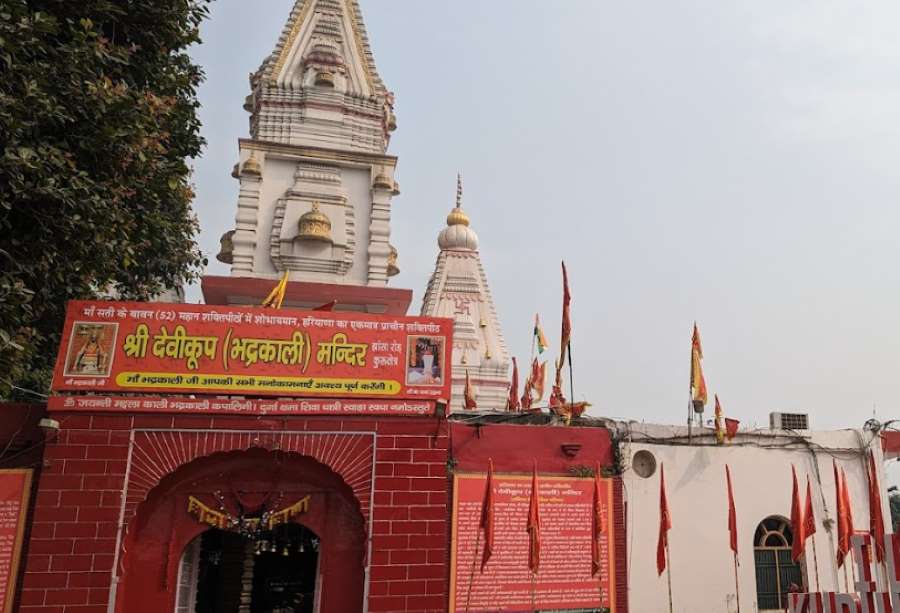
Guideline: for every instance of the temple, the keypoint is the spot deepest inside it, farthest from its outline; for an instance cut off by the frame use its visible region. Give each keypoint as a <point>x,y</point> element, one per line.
<point>458,289</point>
<point>317,457</point>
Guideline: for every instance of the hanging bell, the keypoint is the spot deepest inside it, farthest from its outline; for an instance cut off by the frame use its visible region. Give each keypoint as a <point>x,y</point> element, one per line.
<point>285,552</point>
<point>301,547</point>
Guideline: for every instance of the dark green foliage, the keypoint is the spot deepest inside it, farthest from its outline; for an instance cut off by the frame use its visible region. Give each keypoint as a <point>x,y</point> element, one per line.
<point>98,115</point>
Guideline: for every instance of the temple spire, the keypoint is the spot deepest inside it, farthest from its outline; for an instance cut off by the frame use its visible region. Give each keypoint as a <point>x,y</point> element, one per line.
<point>320,86</point>
<point>459,289</point>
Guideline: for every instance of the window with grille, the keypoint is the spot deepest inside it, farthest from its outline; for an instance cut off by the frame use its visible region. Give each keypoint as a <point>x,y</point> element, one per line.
<point>775,571</point>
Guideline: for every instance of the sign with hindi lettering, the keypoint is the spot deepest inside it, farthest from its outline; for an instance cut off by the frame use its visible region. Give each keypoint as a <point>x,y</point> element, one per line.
<point>205,349</point>
<point>564,580</point>
<point>15,488</point>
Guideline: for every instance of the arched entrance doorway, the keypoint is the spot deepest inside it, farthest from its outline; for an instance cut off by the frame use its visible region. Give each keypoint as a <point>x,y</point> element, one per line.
<point>246,532</point>
<point>221,571</point>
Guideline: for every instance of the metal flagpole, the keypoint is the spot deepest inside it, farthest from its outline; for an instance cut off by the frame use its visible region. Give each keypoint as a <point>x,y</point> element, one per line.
<point>669,575</point>
<point>816,562</point>
<point>533,579</point>
<point>737,586</point>
<point>472,574</point>
<point>571,377</point>
<point>846,579</point>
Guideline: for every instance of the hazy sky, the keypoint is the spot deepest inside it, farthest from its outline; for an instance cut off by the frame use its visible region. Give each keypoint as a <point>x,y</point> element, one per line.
<point>733,163</point>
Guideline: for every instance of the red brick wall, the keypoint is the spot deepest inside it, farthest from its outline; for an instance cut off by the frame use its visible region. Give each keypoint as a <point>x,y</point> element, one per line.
<point>73,547</point>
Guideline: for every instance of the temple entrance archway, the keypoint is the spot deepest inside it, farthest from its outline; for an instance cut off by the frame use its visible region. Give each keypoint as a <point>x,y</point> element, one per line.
<point>252,531</point>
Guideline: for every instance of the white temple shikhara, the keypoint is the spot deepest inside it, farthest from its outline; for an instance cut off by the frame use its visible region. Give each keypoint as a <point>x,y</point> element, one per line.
<point>459,289</point>
<point>315,181</point>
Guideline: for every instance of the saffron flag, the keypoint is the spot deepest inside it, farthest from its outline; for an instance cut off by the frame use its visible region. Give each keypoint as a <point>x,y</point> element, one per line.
<point>843,535</point>
<point>487,516</point>
<point>512,402</point>
<point>808,515</point>
<point>720,432</point>
<point>665,523</point>
<point>538,376</point>
<point>876,514</point>
<point>798,524</point>
<point>596,524</point>
<point>276,297</point>
<point>534,525</point>
<point>698,383</point>
<point>566,332</point>
<point>468,395</point>
<point>557,399</point>
<point>732,514</point>
<point>539,338</point>
<point>527,397</point>
<point>848,507</point>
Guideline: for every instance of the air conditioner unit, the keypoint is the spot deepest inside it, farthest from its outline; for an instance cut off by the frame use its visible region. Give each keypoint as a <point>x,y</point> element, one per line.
<point>789,421</point>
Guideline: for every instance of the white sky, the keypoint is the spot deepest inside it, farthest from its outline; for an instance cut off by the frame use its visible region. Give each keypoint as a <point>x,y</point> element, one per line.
<point>733,163</point>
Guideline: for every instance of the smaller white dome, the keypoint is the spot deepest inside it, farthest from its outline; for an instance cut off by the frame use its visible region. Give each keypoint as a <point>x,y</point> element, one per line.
<point>458,237</point>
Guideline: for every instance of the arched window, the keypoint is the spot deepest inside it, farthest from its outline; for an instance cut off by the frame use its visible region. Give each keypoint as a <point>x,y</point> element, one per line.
<point>775,571</point>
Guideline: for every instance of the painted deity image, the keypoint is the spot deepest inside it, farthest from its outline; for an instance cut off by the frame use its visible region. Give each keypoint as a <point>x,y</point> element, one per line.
<point>425,360</point>
<point>90,350</point>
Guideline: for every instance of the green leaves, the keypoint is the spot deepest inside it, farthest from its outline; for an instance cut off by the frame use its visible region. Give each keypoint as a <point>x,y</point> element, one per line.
<point>97,115</point>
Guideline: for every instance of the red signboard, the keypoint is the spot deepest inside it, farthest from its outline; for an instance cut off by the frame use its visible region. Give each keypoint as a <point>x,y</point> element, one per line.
<point>241,406</point>
<point>203,349</point>
<point>564,580</point>
<point>15,487</point>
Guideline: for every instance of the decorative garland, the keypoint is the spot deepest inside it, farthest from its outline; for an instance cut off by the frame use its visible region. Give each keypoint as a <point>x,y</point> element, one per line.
<point>250,527</point>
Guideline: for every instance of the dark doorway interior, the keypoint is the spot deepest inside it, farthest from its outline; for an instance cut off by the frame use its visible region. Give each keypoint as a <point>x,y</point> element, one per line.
<point>284,563</point>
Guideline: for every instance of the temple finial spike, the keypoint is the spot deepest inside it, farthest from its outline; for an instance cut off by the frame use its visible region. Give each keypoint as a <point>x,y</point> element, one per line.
<point>459,190</point>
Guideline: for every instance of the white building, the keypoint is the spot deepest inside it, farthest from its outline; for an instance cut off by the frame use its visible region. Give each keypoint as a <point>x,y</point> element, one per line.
<point>702,567</point>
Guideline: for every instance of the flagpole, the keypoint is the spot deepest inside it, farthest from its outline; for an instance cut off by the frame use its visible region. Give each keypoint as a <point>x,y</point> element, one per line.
<point>472,574</point>
<point>571,377</point>
<point>737,586</point>
<point>815,561</point>
<point>669,576</point>
<point>533,580</point>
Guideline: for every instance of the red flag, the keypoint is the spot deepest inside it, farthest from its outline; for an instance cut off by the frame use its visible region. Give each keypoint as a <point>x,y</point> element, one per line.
<point>487,515</point>
<point>843,534</point>
<point>566,332</point>
<point>596,524</point>
<point>732,514</point>
<point>876,515</point>
<point>512,402</point>
<point>848,507</point>
<point>731,428</point>
<point>808,516</point>
<point>328,306</point>
<point>798,524</point>
<point>468,395</point>
<point>556,395</point>
<point>665,523</point>
<point>534,525</point>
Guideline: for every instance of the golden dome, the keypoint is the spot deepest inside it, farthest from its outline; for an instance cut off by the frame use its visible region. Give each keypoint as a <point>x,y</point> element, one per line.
<point>457,217</point>
<point>392,268</point>
<point>251,166</point>
<point>314,225</point>
<point>382,181</point>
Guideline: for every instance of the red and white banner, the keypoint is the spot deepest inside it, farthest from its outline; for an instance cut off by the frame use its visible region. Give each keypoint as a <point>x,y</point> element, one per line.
<point>240,406</point>
<point>214,350</point>
<point>564,580</point>
<point>15,489</point>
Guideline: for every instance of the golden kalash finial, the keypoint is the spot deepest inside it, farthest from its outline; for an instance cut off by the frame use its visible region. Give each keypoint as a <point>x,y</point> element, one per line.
<point>457,216</point>
<point>314,225</point>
